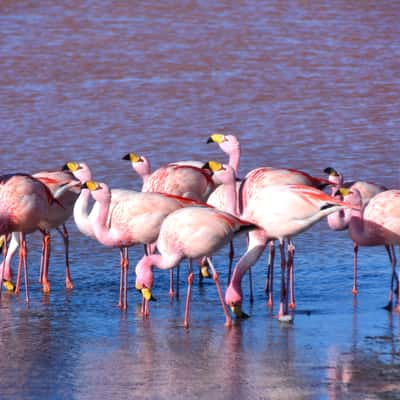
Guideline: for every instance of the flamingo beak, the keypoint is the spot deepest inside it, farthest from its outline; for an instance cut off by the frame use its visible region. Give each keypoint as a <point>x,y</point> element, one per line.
<point>8,285</point>
<point>216,138</point>
<point>146,293</point>
<point>204,271</point>
<point>237,310</point>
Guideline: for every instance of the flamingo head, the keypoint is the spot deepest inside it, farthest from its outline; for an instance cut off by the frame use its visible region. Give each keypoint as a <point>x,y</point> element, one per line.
<point>234,299</point>
<point>99,191</point>
<point>227,143</point>
<point>139,163</point>
<point>222,173</point>
<point>334,176</point>
<point>80,170</point>
<point>144,278</point>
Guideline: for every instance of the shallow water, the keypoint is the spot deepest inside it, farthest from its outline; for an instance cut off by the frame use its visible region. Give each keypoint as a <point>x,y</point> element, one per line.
<point>303,85</point>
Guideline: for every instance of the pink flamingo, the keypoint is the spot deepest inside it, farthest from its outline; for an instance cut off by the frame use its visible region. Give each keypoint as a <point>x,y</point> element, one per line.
<point>180,180</point>
<point>64,188</point>
<point>134,219</point>
<point>281,212</point>
<point>338,221</point>
<point>24,203</point>
<point>194,232</point>
<point>375,224</point>
<point>259,178</point>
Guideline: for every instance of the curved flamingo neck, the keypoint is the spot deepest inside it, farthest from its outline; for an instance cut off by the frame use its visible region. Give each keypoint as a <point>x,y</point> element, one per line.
<point>100,213</point>
<point>81,214</point>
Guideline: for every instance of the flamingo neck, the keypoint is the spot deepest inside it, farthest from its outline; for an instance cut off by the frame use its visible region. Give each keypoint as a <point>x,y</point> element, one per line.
<point>230,198</point>
<point>234,159</point>
<point>81,214</point>
<point>356,225</point>
<point>102,232</point>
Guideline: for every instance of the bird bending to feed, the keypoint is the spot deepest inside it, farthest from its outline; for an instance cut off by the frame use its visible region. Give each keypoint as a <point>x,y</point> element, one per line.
<point>338,221</point>
<point>281,212</point>
<point>375,224</point>
<point>135,218</point>
<point>193,232</point>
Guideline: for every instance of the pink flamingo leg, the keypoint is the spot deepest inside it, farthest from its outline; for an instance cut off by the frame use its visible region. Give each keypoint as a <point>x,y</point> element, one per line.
<point>283,306</point>
<point>188,295</point>
<point>5,251</point>
<point>125,265</point>
<point>46,260</point>
<point>270,274</point>
<point>121,277</point>
<point>64,234</point>
<point>355,290</point>
<point>177,282</point>
<point>228,319</point>
<point>291,250</point>
<point>23,252</point>
<point>171,283</point>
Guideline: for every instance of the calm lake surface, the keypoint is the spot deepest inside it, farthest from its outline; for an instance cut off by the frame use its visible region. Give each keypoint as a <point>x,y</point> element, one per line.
<point>301,84</point>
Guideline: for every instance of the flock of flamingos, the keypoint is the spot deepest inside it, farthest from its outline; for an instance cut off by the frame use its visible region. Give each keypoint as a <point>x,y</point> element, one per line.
<point>190,210</point>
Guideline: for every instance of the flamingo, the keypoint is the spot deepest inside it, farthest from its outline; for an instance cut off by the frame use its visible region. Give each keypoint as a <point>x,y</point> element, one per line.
<point>281,212</point>
<point>177,179</point>
<point>377,223</point>
<point>184,179</point>
<point>194,232</point>
<point>133,219</point>
<point>63,187</point>
<point>24,203</point>
<point>338,221</point>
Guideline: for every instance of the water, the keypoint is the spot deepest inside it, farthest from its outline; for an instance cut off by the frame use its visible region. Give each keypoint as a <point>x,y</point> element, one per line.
<point>302,85</point>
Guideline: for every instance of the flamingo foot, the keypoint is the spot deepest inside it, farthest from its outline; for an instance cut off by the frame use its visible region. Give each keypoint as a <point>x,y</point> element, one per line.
<point>69,285</point>
<point>228,323</point>
<point>46,287</point>
<point>398,308</point>
<point>270,303</point>
<point>292,305</point>
<point>171,294</point>
<point>354,291</point>
<point>186,324</point>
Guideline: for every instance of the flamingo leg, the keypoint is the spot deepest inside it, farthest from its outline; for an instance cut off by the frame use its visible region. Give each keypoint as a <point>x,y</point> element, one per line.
<point>283,302</point>
<point>291,250</point>
<point>188,295</point>
<point>5,251</point>
<point>177,282</point>
<point>121,276</point>
<point>228,319</point>
<point>46,260</point>
<point>355,249</point>
<point>23,254</point>
<point>125,264</point>
<point>64,234</point>
<point>270,274</point>
<point>171,283</point>
<point>18,281</point>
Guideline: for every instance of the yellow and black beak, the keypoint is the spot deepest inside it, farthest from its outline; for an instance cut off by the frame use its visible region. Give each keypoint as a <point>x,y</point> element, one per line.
<point>8,285</point>
<point>216,138</point>
<point>91,185</point>
<point>343,191</point>
<point>147,295</point>
<point>213,166</point>
<point>71,166</point>
<point>239,313</point>
<point>132,157</point>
